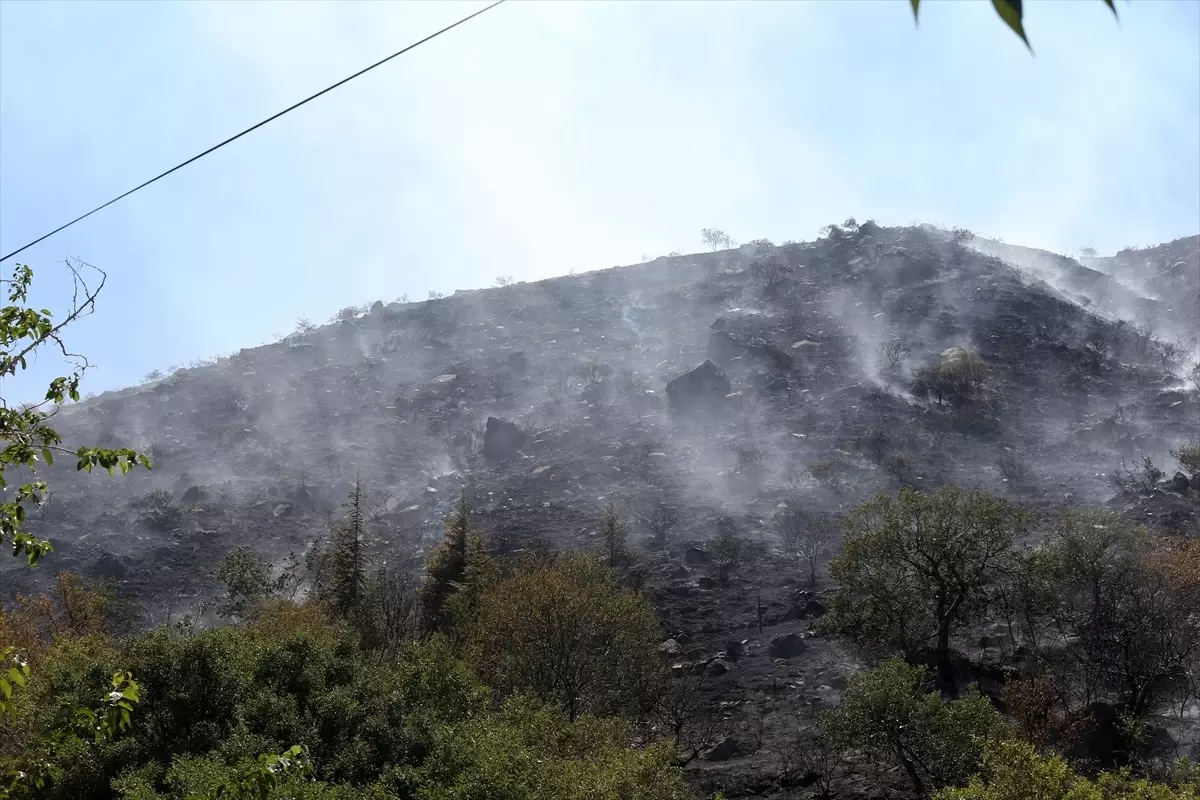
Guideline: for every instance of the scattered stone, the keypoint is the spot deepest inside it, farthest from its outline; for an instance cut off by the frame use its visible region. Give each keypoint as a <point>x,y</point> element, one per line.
<point>717,667</point>
<point>670,648</point>
<point>805,609</point>
<point>735,650</point>
<point>788,645</point>
<point>1178,483</point>
<point>706,583</point>
<point>680,573</point>
<point>282,510</point>
<point>695,557</point>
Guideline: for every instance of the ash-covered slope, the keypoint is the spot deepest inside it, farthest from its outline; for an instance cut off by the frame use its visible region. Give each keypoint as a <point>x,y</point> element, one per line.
<point>260,448</point>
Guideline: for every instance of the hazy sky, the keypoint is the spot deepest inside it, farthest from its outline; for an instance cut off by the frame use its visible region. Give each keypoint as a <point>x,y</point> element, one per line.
<point>548,136</point>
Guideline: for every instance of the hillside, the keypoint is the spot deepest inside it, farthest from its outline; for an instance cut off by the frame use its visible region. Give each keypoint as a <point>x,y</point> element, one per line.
<point>798,366</point>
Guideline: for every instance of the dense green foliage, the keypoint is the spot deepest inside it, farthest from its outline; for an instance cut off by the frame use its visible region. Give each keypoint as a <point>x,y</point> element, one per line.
<point>1013,770</point>
<point>916,566</point>
<point>569,634</point>
<point>420,725</point>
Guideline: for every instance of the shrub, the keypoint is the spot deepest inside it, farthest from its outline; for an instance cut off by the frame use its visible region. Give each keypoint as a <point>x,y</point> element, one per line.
<point>1012,467</point>
<point>157,510</point>
<point>958,377</point>
<point>1187,455</point>
<point>891,355</point>
<point>728,550</point>
<point>1013,770</point>
<point>806,537</point>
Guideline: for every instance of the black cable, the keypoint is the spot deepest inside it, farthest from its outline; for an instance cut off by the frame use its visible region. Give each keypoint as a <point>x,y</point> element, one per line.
<point>252,128</point>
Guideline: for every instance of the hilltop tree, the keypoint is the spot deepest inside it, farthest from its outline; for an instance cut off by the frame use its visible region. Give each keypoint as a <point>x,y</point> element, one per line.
<point>27,438</point>
<point>715,239</point>
<point>914,567</point>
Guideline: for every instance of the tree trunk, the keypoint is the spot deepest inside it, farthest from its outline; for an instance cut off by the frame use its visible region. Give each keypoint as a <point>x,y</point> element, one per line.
<point>911,770</point>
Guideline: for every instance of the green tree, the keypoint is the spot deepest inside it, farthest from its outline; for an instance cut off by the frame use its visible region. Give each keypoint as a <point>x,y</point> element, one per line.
<point>345,573</point>
<point>247,579</point>
<point>568,633</point>
<point>888,716</point>
<point>916,566</point>
<point>27,437</point>
<point>727,551</point>
<point>1012,13</point>
<point>446,568</point>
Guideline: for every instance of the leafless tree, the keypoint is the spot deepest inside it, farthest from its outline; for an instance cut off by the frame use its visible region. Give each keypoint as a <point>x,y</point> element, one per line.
<point>806,536</point>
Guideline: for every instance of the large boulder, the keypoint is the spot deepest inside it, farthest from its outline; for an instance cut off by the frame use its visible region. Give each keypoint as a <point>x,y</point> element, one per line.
<point>722,348</point>
<point>501,439</point>
<point>110,566</point>
<point>727,748</point>
<point>789,645</point>
<point>706,385</point>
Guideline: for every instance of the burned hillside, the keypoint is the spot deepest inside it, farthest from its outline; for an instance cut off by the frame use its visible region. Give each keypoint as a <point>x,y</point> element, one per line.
<point>726,404</point>
<point>827,382</point>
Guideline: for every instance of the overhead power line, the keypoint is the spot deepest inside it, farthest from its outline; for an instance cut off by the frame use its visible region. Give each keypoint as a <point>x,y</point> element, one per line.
<point>255,127</point>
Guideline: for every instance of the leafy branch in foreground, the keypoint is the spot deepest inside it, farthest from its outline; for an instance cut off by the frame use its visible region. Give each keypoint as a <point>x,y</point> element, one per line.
<point>1012,13</point>
<point>27,437</point>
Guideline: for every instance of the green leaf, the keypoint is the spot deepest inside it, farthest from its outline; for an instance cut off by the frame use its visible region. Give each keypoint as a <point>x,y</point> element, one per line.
<point>915,5</point>
<point>49,456</point>
<point>1010,11</point>
<point>16,676</point>
<point>1111,6</point>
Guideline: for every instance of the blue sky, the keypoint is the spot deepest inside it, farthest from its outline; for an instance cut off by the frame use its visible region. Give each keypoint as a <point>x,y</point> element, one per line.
<point>549,136</point>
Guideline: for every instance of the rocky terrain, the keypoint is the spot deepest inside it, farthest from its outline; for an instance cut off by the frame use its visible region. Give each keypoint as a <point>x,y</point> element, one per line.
<point>703,390</point>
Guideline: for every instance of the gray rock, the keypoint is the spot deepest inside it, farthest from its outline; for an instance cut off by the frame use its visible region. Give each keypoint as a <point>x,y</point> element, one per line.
<point>706,385</point>
<point>717,667</point>
<point>670,648</point>
<point>695,557</point>
<point>727,748</point>
<point>1179,483</point>
<point>788,645</point>
<point>111,566</point>
<point>501,440</point>
<point>194,494</point>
